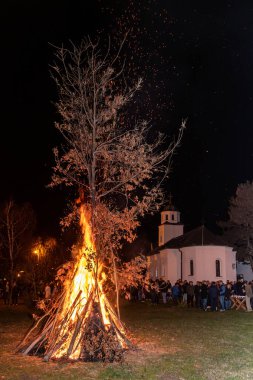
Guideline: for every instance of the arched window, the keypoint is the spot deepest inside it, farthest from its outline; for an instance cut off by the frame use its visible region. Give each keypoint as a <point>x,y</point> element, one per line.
<point>217,268</point>
<point>191,268</point>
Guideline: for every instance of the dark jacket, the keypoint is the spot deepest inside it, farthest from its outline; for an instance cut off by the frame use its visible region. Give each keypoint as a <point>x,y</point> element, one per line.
<point>204,291</point>
<point>213,291</point>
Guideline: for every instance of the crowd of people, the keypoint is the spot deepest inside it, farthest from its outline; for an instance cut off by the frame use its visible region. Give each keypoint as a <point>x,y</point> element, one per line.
<point>205,295</point>
<point>13,295</point>
<point>10,295</point>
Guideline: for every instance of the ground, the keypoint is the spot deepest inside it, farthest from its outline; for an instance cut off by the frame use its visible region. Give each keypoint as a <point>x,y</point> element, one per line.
<point>173,343</point>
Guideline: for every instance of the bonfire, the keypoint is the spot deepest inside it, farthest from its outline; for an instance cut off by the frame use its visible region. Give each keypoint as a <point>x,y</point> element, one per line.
<point>120,165</point>
<point>81,323</point>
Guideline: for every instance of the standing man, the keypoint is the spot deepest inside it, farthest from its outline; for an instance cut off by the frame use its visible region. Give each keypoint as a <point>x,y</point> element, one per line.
<point>163,288</point>
<point>47,292</point>
<point>248,295</point>
<point>222,292</point>
<point>213,295</point>
<point>228,294</point>
<point>190,294</point>
<point>197,290</point>
<point>6,293</point>
<point>15,294</point>
<point>204,295</point>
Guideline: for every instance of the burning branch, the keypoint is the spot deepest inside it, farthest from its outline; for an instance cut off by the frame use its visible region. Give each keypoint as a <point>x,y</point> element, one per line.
<point>81,324</point>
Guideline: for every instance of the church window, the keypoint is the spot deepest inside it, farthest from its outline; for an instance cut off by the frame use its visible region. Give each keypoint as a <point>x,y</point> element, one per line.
<point>172,217</point>
<point>217,268</point>
<point>166,217</point>
<point>191,268</point>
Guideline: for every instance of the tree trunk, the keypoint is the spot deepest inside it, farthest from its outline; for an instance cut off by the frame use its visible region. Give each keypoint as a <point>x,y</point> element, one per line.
<point>11,281</point>
<point>116,285</point>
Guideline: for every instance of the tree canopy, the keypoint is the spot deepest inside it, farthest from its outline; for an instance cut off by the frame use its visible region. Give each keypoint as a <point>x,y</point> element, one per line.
<point>239,227</point>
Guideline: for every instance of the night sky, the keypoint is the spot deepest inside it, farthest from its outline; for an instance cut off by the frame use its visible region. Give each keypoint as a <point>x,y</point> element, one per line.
<point>196,59</point>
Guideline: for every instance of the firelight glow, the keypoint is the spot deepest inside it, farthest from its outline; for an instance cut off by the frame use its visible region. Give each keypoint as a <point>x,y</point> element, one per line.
<point>79,290</point>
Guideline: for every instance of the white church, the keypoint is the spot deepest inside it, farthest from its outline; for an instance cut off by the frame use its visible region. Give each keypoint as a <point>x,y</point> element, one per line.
<point>194,256</point>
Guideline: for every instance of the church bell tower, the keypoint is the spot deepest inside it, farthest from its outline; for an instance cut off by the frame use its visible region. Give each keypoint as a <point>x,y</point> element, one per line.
<point>170,226</point>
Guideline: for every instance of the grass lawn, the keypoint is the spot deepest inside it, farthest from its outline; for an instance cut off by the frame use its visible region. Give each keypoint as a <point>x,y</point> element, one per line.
<point>173,343</point>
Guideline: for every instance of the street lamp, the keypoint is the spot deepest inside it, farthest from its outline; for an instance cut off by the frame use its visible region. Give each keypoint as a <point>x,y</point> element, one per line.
<point>38,252</point>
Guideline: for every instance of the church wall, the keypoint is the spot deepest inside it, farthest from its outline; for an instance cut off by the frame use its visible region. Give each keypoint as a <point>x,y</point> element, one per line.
<point>169,231</point>
<point>204,263</point>
<point>153,266</point>
<point>231,264</point>
<point>173,264</point>
<point>187,255</point>
<point>166,265</point>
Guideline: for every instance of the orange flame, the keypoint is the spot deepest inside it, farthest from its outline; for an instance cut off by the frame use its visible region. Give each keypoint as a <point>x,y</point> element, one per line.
<point>80,288</point>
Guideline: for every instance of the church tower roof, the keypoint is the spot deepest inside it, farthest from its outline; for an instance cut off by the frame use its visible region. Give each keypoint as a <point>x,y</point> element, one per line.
<point>169,206</point>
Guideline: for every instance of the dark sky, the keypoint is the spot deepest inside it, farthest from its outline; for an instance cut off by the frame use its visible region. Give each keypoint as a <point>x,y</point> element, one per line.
<point>196,58</point>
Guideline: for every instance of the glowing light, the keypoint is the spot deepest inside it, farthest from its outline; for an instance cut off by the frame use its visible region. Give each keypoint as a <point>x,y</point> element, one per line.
<point>38,252</point>
<point>85,288</point>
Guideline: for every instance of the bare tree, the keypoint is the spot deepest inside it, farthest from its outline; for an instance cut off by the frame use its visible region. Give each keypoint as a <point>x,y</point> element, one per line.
<point>17,222</point>
<point>239,228</point>
<point>117,169</point>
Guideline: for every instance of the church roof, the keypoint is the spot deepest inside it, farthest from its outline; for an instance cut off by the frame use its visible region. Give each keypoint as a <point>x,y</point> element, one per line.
<point>169,207</point>
<point>197,237</point>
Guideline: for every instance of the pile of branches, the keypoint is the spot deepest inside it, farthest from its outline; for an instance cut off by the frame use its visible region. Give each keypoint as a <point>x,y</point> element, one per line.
<point>57,336</point>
